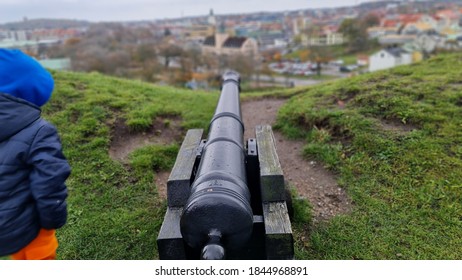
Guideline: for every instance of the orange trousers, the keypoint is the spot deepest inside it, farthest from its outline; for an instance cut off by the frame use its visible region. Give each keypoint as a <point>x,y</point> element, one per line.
<point>43,247</point>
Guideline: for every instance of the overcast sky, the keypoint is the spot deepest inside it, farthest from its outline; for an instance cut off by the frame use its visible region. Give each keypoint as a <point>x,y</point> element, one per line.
<point>124,10</point>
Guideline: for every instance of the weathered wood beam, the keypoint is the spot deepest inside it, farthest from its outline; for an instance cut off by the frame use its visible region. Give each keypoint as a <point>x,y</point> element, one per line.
<point>271,175</point>
<point>178,184</point>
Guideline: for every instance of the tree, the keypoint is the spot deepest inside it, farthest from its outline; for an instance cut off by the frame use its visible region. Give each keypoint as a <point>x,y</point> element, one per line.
<point>211,62</point>
<point>195,56</point>
<point>370,20</point>
<point>89,58</point>
<point>277,56</point>
<point>168,49</point>
<point>186,66</point>
<point>149,70</point>
<point>304,55</point>
<point>297,40</point>
<point>356,34</point>
<point>145,52</point>
<point>244,64</point>
<point>117,62</point>
<point>319,55</point>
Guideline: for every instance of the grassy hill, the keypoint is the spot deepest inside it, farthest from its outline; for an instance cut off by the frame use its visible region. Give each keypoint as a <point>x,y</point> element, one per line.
<point>394,139</point>
<point>114,209</point>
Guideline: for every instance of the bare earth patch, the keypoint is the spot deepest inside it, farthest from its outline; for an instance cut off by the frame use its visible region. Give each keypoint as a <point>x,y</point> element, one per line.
<point>161,183</point>
<point>164,131</point>
<point>396,126</point>
<point>311,180</point>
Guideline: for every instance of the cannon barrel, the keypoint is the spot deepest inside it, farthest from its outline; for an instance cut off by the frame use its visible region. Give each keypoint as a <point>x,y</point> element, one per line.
<point>218,216</point>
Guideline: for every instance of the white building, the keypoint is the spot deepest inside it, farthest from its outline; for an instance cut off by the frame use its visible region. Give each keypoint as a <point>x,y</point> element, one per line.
<point>389,58</point>
<point>326,39</point>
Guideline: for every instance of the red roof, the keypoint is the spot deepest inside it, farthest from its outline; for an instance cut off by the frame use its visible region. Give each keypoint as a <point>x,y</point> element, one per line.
<point>390,23</point>
<point>450,14</point>
<point>411,18</point>
<point>271,26</point>
<point>331,28</point>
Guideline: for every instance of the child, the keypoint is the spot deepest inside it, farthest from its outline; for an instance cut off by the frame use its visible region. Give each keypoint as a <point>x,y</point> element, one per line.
<point>33,168</point>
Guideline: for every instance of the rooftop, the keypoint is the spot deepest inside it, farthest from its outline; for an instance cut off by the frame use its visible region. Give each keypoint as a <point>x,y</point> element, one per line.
<point>234,42</point>
<point>210,41</point>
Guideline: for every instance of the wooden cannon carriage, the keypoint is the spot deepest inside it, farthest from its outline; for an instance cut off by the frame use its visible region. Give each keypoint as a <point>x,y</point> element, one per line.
<point>226,198</point>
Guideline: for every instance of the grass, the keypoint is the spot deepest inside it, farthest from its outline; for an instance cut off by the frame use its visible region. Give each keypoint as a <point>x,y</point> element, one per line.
<point>114,209</point>
<point>314,76</point>
<point>394,139</point>
<point>272,93</point>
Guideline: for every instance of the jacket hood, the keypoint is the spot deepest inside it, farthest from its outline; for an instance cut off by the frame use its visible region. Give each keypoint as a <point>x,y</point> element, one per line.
<point>23,77</point>
<point>15,115</point>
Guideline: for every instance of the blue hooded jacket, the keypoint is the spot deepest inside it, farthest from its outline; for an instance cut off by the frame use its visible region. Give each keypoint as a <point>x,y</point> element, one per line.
<point>23,77</point>
<point>33,168</point>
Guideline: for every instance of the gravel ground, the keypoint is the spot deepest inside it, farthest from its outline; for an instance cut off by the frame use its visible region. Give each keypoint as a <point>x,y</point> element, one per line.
<point>311,180</point>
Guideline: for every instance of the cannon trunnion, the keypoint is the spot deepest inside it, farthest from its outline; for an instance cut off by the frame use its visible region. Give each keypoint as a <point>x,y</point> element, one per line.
<point>226,198</point>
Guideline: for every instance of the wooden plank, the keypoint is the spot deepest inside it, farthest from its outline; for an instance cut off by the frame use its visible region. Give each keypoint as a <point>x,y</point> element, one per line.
<point>170,241</point>
<point>178,184</point>
<point>271,175</point>
<point>279,242</point>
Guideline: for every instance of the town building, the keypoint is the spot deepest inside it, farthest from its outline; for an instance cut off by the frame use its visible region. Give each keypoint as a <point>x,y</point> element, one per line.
<point>222,43</point>
<point>328,36</point>
<point>389,58</point>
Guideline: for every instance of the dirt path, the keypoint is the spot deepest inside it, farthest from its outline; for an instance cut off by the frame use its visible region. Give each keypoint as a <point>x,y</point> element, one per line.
<point>309,178</point>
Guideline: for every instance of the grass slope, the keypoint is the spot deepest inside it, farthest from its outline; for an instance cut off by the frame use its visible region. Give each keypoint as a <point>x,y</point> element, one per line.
<point>114,209</point>
<point>395,140</point>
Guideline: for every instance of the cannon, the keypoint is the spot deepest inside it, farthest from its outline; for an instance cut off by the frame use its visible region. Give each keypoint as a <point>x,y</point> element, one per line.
<point>226,198</point>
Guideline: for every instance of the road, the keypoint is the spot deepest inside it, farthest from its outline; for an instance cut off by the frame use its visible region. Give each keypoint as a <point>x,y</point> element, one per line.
<point>288,81</point>
<point>300,81</point>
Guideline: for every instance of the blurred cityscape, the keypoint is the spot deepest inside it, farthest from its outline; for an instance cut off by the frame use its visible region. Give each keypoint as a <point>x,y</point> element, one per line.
<point>277,49</point>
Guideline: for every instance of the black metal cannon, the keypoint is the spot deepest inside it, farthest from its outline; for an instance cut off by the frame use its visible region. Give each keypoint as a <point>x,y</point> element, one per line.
<point>226,199</point>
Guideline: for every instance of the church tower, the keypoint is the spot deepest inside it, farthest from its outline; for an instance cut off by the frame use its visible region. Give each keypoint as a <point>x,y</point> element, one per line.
<point>212,20</point>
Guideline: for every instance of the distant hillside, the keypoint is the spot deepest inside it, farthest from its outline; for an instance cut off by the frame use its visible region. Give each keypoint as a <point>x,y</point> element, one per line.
<point>383,3</point>
<point>45,24</point>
